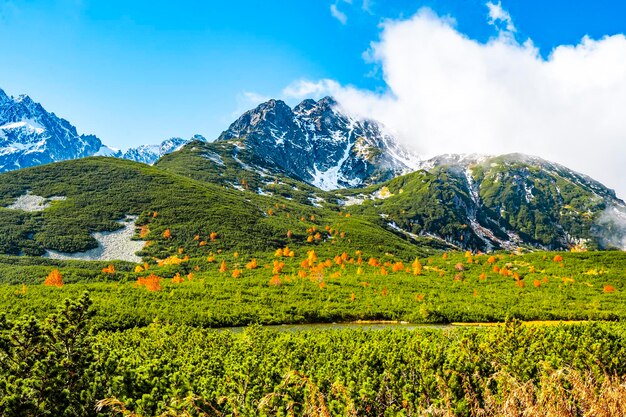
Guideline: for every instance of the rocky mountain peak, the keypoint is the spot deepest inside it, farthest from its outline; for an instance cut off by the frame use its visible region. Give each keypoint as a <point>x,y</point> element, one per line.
<point>149,154</point>
<point>319,144</point>
<point>3,96</point>
<point>305,106</point>
<point>29,135</point>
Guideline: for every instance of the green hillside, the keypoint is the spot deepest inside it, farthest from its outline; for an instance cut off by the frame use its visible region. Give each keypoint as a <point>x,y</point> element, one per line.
<point>234,245</point>
<point>503,202</point>
<point>231,164</point>
<point>100,191</point>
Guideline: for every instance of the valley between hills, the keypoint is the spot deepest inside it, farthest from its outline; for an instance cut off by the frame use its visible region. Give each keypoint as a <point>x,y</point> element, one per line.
<point>119,277</point>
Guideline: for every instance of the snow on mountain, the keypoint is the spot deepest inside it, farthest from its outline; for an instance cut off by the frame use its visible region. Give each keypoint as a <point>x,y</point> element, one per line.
<point>149,154</point>
<point>108,151</point>
<point>29,135</point>
<point>318,143</point>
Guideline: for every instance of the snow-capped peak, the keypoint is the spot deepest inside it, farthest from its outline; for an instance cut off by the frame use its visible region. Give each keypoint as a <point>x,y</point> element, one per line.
<point>108,151</point>
<point>317,142</point>
<point>29,135</point>
<point>149,154</point>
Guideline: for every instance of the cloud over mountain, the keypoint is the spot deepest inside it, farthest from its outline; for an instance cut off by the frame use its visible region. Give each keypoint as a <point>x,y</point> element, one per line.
<point>449,93</point>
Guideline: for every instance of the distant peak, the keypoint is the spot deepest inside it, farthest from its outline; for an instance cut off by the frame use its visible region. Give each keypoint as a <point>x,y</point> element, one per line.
<point>310,105</point>
<point>23,98</point>
<point>272,103</point>
<point>327,101</point>
<point>199,138</point>
<point>305,106</point>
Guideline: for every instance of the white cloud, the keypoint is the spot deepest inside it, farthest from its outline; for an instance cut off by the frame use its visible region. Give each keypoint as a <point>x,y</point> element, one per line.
<point>447,93</point>
<point>310,89</point>
<point>498,16</point>
<point>338,14</point>
<point>250,97</point>
<point>245,101</point>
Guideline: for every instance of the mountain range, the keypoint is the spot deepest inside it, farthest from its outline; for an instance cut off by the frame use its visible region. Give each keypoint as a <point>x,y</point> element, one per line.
<point>313,157</point>
<point>30,135</point>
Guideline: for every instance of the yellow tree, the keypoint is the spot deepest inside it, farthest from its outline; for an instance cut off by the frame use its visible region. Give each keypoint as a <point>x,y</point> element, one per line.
<point>417,267</point>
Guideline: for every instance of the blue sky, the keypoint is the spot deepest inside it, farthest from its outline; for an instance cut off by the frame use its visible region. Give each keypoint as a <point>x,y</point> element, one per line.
<point>135,72</point>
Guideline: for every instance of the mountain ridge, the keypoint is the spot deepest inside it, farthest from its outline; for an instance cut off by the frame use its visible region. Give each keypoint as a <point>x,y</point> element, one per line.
<point>30,135</point>
<point>319,144</point>
<point>317,156</point>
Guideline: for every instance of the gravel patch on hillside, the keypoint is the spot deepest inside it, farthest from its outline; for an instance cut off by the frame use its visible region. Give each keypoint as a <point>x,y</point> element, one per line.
<point>117,245</point>
<point>31,202</point>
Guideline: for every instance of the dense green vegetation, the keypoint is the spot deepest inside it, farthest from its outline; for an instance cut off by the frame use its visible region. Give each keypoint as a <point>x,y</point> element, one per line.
<point>544,204</point>
<point>228,246</point>
<point>447,290</point>
<point>59,367</point>
<point>100,191</point>
<point>149,351</point>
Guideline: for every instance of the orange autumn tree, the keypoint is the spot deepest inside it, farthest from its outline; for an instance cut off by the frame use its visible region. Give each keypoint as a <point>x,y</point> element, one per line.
<point>253,264</point>
<point>54,279</point>
<point>143,231</point>
<point>373,262</point>
<point>397,267</point>
<point>177,279</point>
<point>311,258</point>
<point>275,281</point>
<point>167,234</point>
<point>109,270</point>
<point>151,282</point>
<point>223,266</point>
<point>278,267</point>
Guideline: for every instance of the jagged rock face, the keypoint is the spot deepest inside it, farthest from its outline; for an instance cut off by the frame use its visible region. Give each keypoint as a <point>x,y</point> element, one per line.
<point>149,154</point>
<point>317,143</point>
<point>29,135</point>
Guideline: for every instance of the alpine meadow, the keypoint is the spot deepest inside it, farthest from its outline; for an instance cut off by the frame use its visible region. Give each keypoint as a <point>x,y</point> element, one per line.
<point>385,214</point>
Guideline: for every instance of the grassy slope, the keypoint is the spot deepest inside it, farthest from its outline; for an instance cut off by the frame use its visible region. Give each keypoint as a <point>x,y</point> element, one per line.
<point>230,164</point>
<point>102,190</point>
<point>421,202</point>
<point>449,289</point>
<point>562,204</point>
